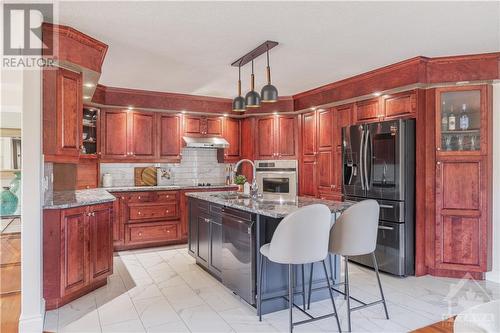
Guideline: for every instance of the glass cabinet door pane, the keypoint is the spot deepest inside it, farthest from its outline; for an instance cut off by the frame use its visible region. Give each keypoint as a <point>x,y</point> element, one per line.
<point>460,114</point>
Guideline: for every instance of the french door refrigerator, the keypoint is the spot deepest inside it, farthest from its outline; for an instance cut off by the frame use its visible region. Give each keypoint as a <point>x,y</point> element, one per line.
<point>379,163</point>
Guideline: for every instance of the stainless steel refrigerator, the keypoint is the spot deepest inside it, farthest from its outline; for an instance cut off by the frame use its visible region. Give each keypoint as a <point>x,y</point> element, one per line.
<point>379,163</point>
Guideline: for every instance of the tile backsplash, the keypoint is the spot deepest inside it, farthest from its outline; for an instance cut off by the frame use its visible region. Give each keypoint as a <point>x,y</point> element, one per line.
<point>197,166</point>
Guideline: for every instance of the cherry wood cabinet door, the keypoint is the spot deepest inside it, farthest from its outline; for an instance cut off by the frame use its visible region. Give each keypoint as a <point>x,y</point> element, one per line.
<point>368,111</point>
<point>142,134</point>
<point>309,182</point>
<point>114,137</point>
<point>265,138</point>
<point>101,241</point>
<point>342,118</point>
<point>69,113</point>
<point>286,134</point>
<point>74,249</point>
<point>324,131</point>
<point>399,105</point>
<point>309,134</point>
<point>192,125</point>
<point>232,130</point>
<point>169,136</point>
<point>213,126</point>
<point>462,231</point>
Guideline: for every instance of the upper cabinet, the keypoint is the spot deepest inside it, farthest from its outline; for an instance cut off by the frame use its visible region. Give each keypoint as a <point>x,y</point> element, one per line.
<point>368,111</point>
<point>128,135</point>
<point>276,137</point>
<point>461,120</point>
<point>169,137</point>
<point>232,133</point>
<point>62,115</point>
<point>399,105</point>
<point>201,126</point>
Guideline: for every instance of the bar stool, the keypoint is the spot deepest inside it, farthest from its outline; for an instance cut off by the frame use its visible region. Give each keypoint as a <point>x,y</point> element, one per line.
<point>300,238</point>
<point>355,233</point>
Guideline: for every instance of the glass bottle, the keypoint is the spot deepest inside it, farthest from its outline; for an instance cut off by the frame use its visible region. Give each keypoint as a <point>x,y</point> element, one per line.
<point>444,118</point>
<point>452,120</point>
<point>464,118</point>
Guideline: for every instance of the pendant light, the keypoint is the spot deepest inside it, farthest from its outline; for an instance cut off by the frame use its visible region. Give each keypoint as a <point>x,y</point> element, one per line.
<point>252,98</point>
<point>269,93</point>
<point>239,101</point>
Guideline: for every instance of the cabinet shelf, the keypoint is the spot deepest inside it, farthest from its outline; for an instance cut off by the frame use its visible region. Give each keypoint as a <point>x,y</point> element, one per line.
<point>470,131</point>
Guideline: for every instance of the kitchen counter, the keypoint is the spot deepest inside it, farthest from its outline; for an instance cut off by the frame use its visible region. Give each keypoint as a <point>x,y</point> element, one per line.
<point>163,188</point>
<point>69,199</point>
<point>266,207</point>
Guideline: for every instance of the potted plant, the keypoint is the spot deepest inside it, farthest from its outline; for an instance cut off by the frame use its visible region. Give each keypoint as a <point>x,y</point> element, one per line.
<point>240,180</point>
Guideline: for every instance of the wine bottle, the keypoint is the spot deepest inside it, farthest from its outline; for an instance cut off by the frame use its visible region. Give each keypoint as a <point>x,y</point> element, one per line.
<point>464,118</point>
<point>444,118</point>
<point>451,120</point>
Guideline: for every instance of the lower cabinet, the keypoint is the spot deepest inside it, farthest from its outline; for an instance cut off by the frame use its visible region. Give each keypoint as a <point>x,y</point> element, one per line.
<point>205,235</point>
<point>77,251</point>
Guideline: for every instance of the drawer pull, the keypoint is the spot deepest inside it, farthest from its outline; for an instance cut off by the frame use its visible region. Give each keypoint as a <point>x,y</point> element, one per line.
<point>168,211</point>
<point>139,197</point>
<point>386,206</point>
<point>381,227</point>
<point>140,233</point>
<point>139,213</point>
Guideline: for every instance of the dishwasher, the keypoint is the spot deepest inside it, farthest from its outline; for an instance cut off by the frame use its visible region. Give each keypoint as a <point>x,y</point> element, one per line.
<point>238,253</point>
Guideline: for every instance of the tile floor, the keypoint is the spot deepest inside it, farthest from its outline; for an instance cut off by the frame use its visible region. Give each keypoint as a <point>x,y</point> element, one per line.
<point>163,290</point>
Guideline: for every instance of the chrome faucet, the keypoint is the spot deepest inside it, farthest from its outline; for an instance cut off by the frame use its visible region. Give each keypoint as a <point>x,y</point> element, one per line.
<point>254,188</point>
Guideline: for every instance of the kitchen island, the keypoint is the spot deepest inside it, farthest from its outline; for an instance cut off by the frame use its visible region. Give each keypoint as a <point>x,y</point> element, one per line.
<point>225,233</point>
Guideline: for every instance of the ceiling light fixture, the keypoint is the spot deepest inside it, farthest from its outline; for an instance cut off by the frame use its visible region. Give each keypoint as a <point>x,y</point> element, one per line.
<point>89,85</point>
<point>86,97</point>
<point>269,93</point>
<point>252,98</point>
<point>239,101</point>
<point>377,94</point>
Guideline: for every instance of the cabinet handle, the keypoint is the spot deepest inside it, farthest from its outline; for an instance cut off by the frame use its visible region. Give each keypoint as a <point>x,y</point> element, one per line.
<point>123,198</point>
<point>438,148</point>
<point>139,213</point>
<point>139,197</point>
<point>167,211</point>
<point>438,163</point>
<point>140,234</point>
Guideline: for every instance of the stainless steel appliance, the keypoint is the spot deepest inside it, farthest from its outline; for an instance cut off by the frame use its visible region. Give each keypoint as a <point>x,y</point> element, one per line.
<point>277,179</point>
<point>205,142</point>
<point>379,163</point>
<point>238,253</point>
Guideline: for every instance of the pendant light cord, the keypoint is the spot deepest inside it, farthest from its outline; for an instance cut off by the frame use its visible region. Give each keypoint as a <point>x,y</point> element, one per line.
<point>268,69</point>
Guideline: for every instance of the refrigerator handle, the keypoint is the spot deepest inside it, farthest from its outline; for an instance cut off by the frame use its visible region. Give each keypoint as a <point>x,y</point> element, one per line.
<point>366,172</point>
<point>361,161</point>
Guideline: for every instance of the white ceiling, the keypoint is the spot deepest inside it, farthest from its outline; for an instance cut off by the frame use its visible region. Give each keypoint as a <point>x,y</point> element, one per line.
<point>186,47</point>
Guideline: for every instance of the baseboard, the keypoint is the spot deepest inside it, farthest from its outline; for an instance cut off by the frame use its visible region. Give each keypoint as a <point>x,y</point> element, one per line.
<point>493,276</point>
<point>33,324</point>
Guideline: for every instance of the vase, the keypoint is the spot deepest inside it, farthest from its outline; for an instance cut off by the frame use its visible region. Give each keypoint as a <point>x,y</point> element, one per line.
<point>15,184</point>
<point>8,202</point>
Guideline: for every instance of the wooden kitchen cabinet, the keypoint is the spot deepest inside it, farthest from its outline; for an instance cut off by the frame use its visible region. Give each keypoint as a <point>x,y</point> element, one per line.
<point>368,111</point>
<point>77,253</point>
<point>87,172</point>
<point>399,105</point>
<point>342,117</point>
<point>62,115</point>
<point>128,135</point>
<point>463,183</point>
<point>201,126</point>
<point>232,133</point>
<point>169,137</point>
<point>276,137</point>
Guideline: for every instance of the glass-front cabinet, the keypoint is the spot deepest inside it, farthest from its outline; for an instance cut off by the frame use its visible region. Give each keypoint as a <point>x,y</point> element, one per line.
<point>460,119</point>
<point>90,132</point>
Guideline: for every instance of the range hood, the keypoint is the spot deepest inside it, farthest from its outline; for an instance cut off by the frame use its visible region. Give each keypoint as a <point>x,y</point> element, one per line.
<point>205,142</point>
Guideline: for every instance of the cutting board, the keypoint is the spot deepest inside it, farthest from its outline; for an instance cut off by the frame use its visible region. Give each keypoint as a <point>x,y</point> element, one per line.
<point>145,176</point>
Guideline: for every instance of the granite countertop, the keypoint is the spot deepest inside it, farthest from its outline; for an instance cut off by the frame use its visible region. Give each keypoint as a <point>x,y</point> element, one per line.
<point>163,188</point>
<point>266,207</point>
<point>68,199</point>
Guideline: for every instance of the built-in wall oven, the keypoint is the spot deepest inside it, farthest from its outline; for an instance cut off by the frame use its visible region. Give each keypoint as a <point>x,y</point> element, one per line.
<point>277,178</point>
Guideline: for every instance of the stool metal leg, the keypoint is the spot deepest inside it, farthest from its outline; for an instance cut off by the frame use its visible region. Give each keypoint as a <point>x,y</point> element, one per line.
<point>262,258</point>
<point>348,299</point>
<point>310,286</point>
<point>303,289</point>
<point>290,295</point>
<point>375,265</point>
<point>331,296</point>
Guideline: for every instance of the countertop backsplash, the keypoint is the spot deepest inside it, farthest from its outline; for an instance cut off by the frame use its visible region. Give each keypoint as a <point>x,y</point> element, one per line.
<point>197,165</point>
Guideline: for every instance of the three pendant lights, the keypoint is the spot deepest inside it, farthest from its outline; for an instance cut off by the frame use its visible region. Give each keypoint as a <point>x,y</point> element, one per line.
<point>268,93</point>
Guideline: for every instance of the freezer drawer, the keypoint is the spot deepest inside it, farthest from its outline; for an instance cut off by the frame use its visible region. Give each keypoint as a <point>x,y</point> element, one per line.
<point>390,251</point>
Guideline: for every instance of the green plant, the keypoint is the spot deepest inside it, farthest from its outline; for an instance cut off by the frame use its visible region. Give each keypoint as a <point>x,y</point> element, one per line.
<point>240,180</point>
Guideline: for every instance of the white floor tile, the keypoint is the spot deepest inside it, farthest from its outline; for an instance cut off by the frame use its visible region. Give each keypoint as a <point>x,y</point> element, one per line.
<point>203,319</point>
<point>155,311</point>
<point>181,297</point>
<point>175,327</point>
<point>129,326</point>
<point>117,310</point>
<point>88,323</point>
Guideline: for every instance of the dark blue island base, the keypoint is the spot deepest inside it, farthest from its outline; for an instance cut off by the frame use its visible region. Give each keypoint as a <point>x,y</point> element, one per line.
<point>225,242</point>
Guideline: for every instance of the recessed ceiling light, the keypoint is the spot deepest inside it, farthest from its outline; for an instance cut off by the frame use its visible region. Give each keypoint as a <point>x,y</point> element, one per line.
<point>89,85</point>
<point>377,94</point>
<point>313,109</point>
<point>183,111</point>
<point>275,112</point>
<point>225,114</point>
<point>86,97</point>
<point>130,107</point>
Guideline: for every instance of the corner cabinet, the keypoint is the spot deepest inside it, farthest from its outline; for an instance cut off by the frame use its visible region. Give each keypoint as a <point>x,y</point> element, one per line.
<point>463,179</point>
<point>77,252</point>
<point>232,133</point>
